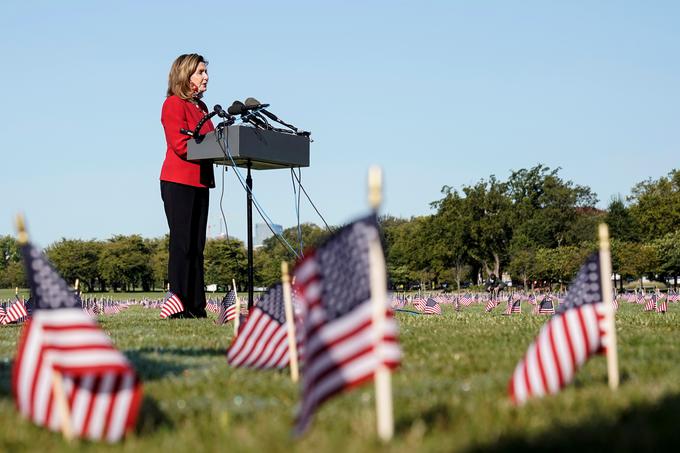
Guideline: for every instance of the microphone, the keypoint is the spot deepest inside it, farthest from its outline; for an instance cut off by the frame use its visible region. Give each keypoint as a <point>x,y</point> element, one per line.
<point>239,108</point>
<point>254,103</point>
<point>200,124</point>
<point>236,108</point>
<point>223,114</point>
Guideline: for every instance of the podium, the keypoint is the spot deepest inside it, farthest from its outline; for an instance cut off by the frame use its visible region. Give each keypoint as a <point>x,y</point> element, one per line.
<point>250,148</point>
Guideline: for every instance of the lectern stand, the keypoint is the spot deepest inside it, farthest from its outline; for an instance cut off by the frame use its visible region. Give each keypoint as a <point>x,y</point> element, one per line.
<point>250,148</point>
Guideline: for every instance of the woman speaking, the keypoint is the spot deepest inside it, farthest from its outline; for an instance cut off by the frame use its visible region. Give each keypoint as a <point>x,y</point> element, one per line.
<point>185,184</point>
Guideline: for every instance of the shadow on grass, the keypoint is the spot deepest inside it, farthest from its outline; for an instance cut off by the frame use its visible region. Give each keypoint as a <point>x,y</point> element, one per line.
<point>151,418</point>
<point>150,369</point>
<point>646,427</point>
<point>189,352</point>
<point>437,415</point>
<point>6,378</point>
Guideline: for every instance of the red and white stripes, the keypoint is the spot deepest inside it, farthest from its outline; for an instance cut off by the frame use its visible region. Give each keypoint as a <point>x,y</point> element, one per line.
<point>102,390</point>
<point>561,348</point>
<point>262,343</point>
<point>171,306</point>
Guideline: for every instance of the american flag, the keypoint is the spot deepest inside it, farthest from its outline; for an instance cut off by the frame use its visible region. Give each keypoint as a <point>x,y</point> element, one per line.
<point>546,306</point>
<point>566,341</point>
<point>491,304</point>
<point>662,305</point>
<point>2,315</point>
<point>101,390</point>
<point>672,296</point>
<point>514,306</point>
<point>171,305</point>
<point>651,304</point>
<point>531,298</point>
<point>227,308</point>
<point>466,299</point>
<point>212,306</point>
<point>432,307</point>
<point>262,341</point>
<point>341,347</point>
<point>16,312</point>
<point>419,303</point>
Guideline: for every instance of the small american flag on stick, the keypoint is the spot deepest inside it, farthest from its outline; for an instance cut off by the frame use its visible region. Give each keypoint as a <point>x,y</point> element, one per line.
<point>262,341</point>
<point>67,373</point>
<point>514,306</point>
<point>432,307</point>
<point>566,341</point>
<point>546,306</point>
<point>662,304</point>
<point>16,312</point>
<point>342,350</point>
<point>227,308</point>
<point>171,305</point>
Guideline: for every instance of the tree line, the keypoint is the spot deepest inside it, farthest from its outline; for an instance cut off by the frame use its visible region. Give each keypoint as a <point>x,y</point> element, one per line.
<point>534,226</point>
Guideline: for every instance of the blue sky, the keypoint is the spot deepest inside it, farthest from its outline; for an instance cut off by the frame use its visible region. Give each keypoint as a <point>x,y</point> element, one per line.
<point>437,93</point>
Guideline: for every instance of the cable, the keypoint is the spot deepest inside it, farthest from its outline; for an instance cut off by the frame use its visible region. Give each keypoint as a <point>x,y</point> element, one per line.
<point>313,205</point>
<point>296,203</point>
<point>226,228</point>
<point>299,197</point>
<point>225,150</point>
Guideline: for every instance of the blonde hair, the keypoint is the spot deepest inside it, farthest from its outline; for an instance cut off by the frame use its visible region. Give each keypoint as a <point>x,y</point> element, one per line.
<point>180,74</point>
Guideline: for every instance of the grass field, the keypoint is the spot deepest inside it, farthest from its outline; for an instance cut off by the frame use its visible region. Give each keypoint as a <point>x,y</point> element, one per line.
<point>449,394</point>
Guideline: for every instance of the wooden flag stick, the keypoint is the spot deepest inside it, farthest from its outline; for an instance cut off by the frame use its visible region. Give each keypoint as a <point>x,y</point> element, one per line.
<point>62,405</point>
<point>237,320</point>
<point>605,276</point>
<point>378,282</point>
<point>22,235</point>
<point>290,322</point>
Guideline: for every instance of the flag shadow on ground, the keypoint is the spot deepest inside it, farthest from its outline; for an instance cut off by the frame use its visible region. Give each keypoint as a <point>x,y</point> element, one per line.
<point>150,369</point>
<point>151,418</point>
<point>5,377</point>
<point>643,427</point>
<point>437,415</point>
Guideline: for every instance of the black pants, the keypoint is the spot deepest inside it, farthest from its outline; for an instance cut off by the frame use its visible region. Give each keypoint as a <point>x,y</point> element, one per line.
<point>186,208</point>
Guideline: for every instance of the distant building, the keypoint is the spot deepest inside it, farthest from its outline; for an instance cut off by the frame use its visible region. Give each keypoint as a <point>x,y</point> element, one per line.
<point>263,232</point>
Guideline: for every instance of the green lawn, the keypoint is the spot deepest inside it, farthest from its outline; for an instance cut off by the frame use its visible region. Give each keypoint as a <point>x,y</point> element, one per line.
<point>449,394</point>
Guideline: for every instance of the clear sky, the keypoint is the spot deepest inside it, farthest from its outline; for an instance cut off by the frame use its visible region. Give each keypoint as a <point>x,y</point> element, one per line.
<point>438,93</point>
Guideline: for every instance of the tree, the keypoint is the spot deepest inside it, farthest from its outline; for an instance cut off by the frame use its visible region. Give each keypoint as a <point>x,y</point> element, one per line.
<point>14,275</point>
<point>11,268</point>
<point>622,225</point>
<point>561,263</point>
<point>523,266</point>
<point>656,206</point>
<point>76,259</point>
<point>159,248</point>
<point>637,260</point>
<point>547,210</point>
<point>125,262</point>
<point>668,250</point>
<point>450,235</point>
<point>269,257</point>
<point>489,213</point>
<point>225,259</point>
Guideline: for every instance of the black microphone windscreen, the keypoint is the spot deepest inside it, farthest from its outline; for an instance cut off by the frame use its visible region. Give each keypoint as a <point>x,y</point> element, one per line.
<point>236,108</point>
<point>251,102</point>
<point>217,108</point>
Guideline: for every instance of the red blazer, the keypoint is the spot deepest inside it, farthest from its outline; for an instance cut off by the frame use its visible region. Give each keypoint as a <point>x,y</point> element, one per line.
<point>178,113</point>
